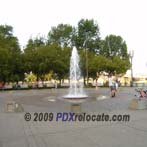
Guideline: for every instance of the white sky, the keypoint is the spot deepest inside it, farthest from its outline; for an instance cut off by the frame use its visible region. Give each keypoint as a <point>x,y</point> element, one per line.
<point>127,18</point>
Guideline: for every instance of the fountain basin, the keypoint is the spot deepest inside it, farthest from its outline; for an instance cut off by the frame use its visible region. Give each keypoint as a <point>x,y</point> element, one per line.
<point>75,99</point>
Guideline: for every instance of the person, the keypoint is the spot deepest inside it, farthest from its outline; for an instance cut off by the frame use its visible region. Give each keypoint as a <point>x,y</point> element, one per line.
<point>113,85</point>
<point>116,85</point>
<point>56,84</point>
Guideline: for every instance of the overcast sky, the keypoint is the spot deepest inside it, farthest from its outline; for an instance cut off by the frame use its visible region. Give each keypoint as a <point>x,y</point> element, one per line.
<point>127,18</point>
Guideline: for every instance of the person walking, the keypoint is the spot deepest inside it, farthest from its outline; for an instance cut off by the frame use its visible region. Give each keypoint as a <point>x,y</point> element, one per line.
<point>112,85</point>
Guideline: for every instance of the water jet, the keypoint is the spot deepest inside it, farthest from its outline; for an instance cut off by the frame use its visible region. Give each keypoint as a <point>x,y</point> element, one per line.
<point>76,94</point>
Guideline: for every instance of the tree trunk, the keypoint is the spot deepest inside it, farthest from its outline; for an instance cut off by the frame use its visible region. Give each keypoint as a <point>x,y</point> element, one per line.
<point>84,80</point>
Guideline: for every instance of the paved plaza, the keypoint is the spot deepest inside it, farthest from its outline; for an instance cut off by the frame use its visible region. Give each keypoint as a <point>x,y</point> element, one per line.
<point>15,131</point>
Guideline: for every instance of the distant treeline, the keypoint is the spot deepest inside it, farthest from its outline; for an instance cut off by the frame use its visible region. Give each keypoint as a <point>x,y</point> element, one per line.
<point>43,55</point>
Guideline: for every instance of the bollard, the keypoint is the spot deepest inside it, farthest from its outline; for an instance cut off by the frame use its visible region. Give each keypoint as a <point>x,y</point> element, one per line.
<point>138,104</point>
<point>12,106</point>
<point>76,108</point>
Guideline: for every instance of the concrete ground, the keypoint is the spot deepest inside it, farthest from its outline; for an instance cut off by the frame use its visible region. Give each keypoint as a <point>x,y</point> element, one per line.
<point>15,131</point>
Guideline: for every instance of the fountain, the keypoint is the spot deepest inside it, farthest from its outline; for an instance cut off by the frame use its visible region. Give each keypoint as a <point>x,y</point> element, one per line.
<point>76,93</point>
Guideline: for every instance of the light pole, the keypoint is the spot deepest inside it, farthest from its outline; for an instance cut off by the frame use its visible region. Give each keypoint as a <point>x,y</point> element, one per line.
<point>87,65</point>
<point>86,52</point>
<point>131,54</point>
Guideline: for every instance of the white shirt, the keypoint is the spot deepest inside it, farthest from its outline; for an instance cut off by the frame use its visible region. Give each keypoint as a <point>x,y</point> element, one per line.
<point>110,82</point>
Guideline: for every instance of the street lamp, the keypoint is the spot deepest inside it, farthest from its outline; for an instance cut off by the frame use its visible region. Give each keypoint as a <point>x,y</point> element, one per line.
<point>86,52</point>
<point>131,54</point>
<point>87,65</point>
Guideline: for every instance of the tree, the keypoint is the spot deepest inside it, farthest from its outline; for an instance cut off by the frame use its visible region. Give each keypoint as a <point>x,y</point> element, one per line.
<point>117,65</point>
<point>5,71</point>
<point>114,48</point>
<point>47,58</point>
<point>32,44</point>
<point>58,60</point>
<point>97,65</point>
<point>9,46</point>
<point>32,56</point>
<point>7,40</point>
<point>87,35</point>
<point>114,45</point>
<point>61,35</point>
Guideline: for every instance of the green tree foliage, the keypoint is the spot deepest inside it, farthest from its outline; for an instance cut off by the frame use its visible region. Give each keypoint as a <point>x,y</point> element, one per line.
<point>61,35</point>
<point>31,55</point>
<point>87,35</point>
<point>10,48</point>
<point>117,65</point>
<point>114,49</point>
<point>112,46</point>
<point>47,58</point>
<point>32,44</point>
<point>7,40</point>
<point>97,65</point>
<point>41,57</point>
<point>5,69</point>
